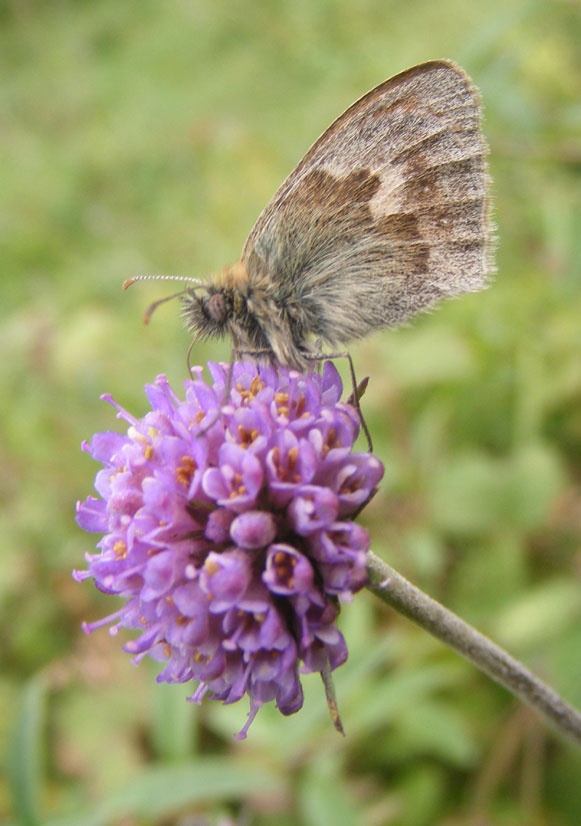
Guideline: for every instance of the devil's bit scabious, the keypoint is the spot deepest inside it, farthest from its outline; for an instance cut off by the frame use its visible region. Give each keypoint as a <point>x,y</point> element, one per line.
<point>232,549</point>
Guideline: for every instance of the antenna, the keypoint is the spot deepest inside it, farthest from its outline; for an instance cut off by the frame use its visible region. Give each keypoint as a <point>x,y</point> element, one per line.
<point>187,278</point>
<point>152,307</point>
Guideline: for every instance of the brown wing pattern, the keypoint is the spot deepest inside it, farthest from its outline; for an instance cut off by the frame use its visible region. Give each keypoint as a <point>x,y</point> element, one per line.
<point>386,213</point>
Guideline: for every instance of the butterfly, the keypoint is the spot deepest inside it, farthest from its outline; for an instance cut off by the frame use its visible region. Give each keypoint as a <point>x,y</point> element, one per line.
<point>386,214</point>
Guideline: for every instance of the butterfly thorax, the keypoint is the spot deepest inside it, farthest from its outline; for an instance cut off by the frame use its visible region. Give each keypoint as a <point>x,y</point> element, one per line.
<point>246,311</point>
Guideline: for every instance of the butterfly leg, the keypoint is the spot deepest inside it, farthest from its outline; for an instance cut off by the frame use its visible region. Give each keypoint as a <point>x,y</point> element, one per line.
<point>354,398</point>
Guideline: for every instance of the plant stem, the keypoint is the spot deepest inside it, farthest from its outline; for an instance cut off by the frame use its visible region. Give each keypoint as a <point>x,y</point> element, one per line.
<point>396,591</point>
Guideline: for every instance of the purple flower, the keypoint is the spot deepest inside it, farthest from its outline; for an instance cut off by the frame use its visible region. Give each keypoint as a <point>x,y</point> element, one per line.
<point>226,530</point>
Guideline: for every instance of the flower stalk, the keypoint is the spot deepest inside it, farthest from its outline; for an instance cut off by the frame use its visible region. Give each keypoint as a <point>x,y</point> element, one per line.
<point>393,589</point>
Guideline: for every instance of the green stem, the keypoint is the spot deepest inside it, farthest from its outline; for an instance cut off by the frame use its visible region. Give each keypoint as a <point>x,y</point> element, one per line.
<point>393,589</point>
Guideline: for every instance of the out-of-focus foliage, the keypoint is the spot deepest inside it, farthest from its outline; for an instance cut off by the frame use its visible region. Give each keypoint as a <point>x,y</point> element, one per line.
<point>146,137</point>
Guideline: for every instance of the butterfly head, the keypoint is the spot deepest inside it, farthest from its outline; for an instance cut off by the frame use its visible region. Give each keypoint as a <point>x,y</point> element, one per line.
<point>208,311</point>
<point>227,306</point>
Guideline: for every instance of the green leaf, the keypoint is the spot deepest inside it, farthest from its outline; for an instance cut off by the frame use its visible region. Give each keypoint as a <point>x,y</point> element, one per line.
<point>159,791</point>
<point>323,798</point>
<point>25,753</point>
<point>474,493</point>
<point>173,725</point>
<point>435,727</point>
<point>539,616</point>
<point>397,692</point>
<point>421,792</point>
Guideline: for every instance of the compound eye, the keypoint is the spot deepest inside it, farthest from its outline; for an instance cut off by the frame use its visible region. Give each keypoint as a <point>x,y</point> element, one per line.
<point>216,308</point>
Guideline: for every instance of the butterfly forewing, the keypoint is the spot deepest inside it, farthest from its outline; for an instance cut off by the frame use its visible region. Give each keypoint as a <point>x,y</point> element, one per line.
<point>386,213</point>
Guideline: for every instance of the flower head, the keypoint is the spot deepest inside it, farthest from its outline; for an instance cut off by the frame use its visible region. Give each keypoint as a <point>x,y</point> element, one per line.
<point>226,530</point>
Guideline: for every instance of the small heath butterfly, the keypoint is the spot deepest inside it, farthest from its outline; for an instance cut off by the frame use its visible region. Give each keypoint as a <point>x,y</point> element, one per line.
<point>387,213</point>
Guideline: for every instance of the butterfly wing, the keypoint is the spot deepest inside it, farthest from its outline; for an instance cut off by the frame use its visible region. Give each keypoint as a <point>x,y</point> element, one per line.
<point>387,212</point>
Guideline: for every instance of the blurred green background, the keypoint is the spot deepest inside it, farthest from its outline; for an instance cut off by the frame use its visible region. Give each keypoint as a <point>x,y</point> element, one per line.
<point>146,137</point>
